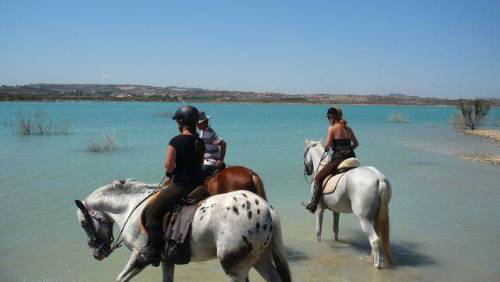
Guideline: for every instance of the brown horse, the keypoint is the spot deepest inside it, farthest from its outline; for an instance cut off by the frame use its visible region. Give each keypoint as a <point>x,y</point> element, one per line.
<point>235,178</point>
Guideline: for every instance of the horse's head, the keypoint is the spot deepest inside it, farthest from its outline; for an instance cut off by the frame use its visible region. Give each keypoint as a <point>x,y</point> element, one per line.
<point>308,160</point>
<point>99,229</point>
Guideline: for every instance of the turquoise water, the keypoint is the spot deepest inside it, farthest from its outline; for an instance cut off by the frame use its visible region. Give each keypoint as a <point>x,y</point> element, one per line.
<point>444,211</point>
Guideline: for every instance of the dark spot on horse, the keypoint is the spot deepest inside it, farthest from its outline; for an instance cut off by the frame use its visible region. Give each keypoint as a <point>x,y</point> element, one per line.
<point>245,239</point>
<point>243,206</point>
<point>256,202</point>
<point>270,228</point>
<point>248,204</point>
<point>234,198</point>
<point>228,208</point>
<point>272,207</point>
<point>122,181</point>
<point>249,232</point>
<point>213,205</point>
<point>258,211</point>
<point>244,195</point>
<point>264,226</point>
<point>257,227</point>
<point>235,210</point>
<point>201,218</point>
<point>249,214</point>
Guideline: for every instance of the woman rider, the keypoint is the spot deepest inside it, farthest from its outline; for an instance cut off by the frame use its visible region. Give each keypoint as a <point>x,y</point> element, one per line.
<point>183,163</point>
<point>341,139</point>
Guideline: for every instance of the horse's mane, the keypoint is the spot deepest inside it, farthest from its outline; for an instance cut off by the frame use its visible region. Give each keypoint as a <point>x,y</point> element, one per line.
<point>122,187</point>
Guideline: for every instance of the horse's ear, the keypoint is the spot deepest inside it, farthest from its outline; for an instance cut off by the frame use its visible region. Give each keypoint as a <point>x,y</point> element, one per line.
<point>307,142</point>
<point>80,205</point>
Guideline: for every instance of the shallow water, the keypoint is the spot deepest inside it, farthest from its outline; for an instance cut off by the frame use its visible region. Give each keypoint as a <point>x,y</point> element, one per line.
<point>444,211</point>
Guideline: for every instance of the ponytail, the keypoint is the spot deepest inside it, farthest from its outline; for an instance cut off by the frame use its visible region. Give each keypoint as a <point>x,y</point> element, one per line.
<point>343,122</point>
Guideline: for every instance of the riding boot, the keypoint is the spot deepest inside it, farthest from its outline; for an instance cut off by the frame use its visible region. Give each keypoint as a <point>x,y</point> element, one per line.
<point>151,253</point>
<point>313,204</point>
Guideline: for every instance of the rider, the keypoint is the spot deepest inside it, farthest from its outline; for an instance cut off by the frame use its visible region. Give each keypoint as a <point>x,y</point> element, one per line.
<point>183,163</point>
<point>215,147</point>
<point>341,139</point>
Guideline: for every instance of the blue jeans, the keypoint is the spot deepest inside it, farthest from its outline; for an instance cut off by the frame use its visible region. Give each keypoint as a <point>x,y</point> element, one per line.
<point>208,170</point>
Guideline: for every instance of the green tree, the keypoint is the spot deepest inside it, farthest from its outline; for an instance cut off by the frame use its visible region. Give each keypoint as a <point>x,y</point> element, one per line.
<point>473,112</point>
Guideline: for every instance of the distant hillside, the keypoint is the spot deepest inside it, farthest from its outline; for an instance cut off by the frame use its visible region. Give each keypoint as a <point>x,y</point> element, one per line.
<point>132,92</point>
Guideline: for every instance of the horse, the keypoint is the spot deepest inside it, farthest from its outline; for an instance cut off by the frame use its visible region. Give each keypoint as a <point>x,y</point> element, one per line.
<point>235,178</point>
<point>364,191</point>
<point>239,228</point>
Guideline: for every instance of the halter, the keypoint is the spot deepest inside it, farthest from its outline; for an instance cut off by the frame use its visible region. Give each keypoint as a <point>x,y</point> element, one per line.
<point>323,156</point>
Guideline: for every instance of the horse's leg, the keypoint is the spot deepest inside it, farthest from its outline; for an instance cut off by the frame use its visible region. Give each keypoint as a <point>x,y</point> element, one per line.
<point>134,265</point>
<point>168,271</point>
<point>266,269</point>
<point>336,218</point>
<point>367,227</point>
<point>319,221</point>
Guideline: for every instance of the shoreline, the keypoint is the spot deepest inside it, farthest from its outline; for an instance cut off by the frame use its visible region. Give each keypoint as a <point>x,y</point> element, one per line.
<point>42,98</point>
<point>484,157</point>
<point>485,133</point>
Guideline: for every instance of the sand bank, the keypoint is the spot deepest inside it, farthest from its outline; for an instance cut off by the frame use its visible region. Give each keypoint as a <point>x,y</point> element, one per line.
<point>485,133</point>
<point>483,158</point>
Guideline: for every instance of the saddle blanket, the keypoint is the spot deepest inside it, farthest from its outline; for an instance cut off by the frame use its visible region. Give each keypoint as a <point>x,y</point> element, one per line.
<point>331,182</point>
<point>177,229</point>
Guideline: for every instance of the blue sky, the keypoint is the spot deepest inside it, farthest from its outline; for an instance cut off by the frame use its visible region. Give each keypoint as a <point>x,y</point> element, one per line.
<point>425,48</point>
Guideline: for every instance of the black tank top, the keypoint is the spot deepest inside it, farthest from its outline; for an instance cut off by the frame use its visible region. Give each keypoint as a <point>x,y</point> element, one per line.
<point>188,160</point>
<point>342,149</point>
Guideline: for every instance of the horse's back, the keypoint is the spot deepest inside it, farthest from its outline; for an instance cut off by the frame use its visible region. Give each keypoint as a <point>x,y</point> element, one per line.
<point>356,190</point>
<point>234,178</point>
<point>238,220</point>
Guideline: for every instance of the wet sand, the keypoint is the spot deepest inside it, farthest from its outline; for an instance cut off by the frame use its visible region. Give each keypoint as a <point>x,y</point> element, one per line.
<point>485,133</point>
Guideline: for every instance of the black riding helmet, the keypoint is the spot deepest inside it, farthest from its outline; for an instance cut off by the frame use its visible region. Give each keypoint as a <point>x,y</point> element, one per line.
<point>187,115</point>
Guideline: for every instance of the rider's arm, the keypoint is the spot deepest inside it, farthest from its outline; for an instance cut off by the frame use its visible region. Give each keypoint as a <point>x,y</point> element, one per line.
<point>329,139</point>
<point>353,139</point>
<point>170,159</point>
<point>223,147</point>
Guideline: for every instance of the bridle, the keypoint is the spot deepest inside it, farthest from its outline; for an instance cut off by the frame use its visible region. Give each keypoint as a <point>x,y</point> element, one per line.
<point>308,179</point>
<point>94,220</point>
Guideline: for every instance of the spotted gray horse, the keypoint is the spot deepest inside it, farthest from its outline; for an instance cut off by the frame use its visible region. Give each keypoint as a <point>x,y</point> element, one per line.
<point>240,229</point>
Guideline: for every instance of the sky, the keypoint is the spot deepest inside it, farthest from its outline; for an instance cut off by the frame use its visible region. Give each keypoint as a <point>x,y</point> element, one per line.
<point>434,48</point>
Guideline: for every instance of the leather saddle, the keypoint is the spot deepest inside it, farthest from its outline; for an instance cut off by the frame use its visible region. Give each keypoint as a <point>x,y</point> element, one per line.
<point>330,183</point>
<point>176,226</point>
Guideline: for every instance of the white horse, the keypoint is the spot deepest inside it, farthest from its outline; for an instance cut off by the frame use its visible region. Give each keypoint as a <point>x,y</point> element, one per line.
<point>363,191</point>
<point>239,228</point>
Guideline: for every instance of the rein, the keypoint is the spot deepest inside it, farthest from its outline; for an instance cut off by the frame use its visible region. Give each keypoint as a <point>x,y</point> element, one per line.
<point>119,241</point>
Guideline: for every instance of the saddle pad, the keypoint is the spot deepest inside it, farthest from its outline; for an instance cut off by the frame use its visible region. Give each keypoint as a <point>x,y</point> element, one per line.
<point>330,183</point>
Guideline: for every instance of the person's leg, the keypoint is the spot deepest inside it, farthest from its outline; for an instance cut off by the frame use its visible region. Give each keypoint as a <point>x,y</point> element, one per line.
<point>163,203</point>
<point>328,169</point>
<point>207,170</point>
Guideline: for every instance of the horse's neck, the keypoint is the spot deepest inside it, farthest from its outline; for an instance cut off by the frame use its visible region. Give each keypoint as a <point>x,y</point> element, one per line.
<point>115,207</point>
<point>316,155</point>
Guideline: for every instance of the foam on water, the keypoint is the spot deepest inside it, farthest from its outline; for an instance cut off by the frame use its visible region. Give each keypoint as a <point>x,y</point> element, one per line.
<point>444,214</point>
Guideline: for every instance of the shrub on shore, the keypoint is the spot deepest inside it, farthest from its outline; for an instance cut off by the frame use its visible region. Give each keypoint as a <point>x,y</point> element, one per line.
<point>105,143</point>
<point>473,113</point>
<point>38,123</point>
<point>398,118</point>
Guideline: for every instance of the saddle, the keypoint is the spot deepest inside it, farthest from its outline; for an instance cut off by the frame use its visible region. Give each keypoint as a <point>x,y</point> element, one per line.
<point>176,226</point>
<point>330,183</point>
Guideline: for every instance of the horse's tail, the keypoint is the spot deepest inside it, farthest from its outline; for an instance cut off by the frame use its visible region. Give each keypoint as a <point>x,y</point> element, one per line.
<point>383,228</point>
<point>278,250</point>
<point>259,186</point>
